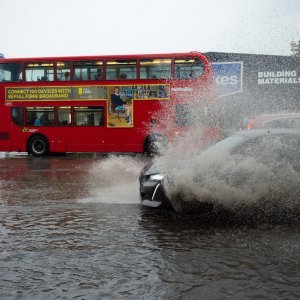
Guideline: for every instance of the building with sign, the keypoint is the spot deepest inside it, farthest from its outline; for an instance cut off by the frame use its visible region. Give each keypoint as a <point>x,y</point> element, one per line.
<point>250,84</point>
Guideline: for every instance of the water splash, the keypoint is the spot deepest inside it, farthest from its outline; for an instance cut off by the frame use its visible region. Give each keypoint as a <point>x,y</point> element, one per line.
<point>248,187</point>
<point>252,186</point>
<point>114,180</point>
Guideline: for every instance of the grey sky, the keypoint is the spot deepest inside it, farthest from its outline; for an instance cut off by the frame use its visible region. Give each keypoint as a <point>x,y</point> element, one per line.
<point>90,27</point>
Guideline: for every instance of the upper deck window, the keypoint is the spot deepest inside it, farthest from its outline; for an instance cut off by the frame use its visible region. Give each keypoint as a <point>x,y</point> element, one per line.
<point>43,71</point>
<point>88,70</point>
<point>63,70</point>
<point>10,72</point>
<point>116,70</point>
<point>155,69</point>
<point>188,68</point>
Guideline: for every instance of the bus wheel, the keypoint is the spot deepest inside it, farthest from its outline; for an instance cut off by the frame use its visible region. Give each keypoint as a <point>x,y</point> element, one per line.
<point>155,144</point>
<point>38,146</point>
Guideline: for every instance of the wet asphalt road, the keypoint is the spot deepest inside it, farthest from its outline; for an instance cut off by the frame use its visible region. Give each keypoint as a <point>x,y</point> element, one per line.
<point>72,228</point>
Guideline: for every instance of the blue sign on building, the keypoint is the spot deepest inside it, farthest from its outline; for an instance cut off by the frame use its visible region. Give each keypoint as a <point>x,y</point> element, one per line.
<point>228,77</point>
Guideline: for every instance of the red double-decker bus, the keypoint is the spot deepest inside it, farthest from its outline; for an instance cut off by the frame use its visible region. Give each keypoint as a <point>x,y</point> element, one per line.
<point>122,103</point>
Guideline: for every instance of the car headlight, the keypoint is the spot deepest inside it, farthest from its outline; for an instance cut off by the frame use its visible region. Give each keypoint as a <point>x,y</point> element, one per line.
<point>157,177</point>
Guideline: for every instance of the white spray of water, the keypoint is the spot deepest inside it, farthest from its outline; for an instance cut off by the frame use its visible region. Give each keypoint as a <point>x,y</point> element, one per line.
<point>235,184</point>
<point>114,180</point>
<point>230,182</point>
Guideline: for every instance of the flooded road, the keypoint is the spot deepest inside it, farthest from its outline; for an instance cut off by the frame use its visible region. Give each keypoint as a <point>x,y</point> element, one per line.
<point>72,228</point>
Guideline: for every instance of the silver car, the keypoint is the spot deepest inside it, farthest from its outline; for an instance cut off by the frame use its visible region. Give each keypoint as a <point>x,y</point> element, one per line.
<point>275,150</point>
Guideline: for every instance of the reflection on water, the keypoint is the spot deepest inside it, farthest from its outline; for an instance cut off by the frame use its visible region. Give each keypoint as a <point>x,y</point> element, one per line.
<point>71,227</point>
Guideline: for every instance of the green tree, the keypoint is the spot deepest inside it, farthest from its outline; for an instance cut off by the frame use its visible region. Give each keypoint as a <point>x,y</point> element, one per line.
<point>295,48</point>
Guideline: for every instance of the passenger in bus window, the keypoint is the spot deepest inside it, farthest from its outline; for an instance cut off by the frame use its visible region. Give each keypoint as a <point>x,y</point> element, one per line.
<point>65,122</point>
<point>37,121</point>
<point>65,76</point>
<point>123,76</point>
<point>44,78</point>
<point>45,118</point>
<point>99,74</point>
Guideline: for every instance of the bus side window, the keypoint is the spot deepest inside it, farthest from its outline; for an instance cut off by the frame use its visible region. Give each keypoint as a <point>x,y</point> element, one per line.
<point>88,70</point>
<point>155,69</point>
<point>40,116</point>
<point>31,117</point>
<point>17,115</point>
<point>89,116</point>
<point>188,68</point>
<point>10,72</point>
<point>64,116</point>
<point>63,70</point>
<point>39,72</point>
<point>121,70</point>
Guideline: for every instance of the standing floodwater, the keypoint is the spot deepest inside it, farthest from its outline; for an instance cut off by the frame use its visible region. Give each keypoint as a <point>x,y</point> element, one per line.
<point>72,227</point>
